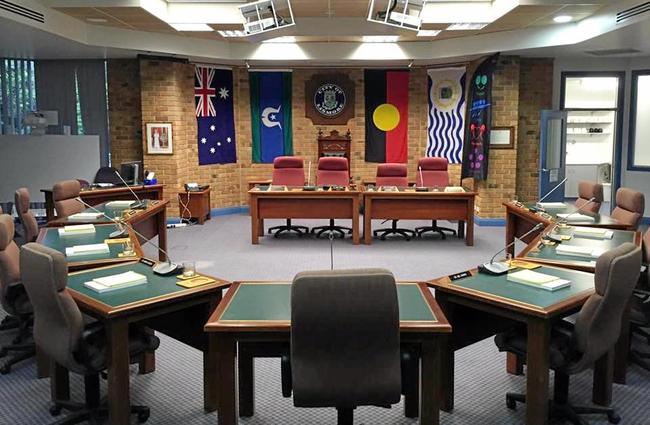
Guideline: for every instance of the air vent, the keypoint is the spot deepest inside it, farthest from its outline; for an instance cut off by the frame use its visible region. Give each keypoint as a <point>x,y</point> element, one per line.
<point>626,15</point>
<point>22,11</point>
<point>613,52</point>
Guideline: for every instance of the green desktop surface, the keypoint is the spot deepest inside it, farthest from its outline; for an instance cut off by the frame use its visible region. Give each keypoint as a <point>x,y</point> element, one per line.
<point>112,212</point>
<point>53,240</point>
<point>549,253</point>
<point>156,286</point>
<point>272,302</point>
<point>501,287</point>
<point>599,219</point>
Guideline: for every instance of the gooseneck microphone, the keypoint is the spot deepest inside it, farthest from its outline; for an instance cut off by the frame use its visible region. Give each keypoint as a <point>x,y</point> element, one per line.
<point>499,268</point>
<point>308,186</point>
<point>565,220</point>
<point>140,205</point>
<point>538,205</point>
<point>160,268</point>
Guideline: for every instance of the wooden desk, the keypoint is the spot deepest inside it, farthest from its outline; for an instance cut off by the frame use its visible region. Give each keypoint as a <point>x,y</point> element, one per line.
<point>237,319</point>
<point>150,222</point>
<point>195,204</point>
<point>519,220</point>
<point>407,204</point>
<point>298,203</point>
<point>96,196</point>
<point>160,305</point>
<point>480,306</point>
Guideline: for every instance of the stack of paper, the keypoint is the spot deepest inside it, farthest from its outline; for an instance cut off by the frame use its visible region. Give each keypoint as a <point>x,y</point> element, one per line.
<point>579,251</point>
<point>97,248</point>
<point>77,229</point>
<point>116,281</point>
<point>119,204</point>
<point>551,205</point>
<point>576,218</point>
<point>84,216</point>
<point>538,280</point>
<point>454,189</point>
<point>592,232</point>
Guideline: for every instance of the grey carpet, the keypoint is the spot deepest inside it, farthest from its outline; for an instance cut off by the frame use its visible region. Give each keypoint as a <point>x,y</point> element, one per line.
<point>222,247</point>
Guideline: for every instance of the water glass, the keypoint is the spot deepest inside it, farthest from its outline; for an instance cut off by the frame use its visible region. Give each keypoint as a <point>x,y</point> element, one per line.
<point>189,269</point>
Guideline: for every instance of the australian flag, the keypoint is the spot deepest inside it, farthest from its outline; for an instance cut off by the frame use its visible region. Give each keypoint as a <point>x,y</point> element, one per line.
<point>213,97</point>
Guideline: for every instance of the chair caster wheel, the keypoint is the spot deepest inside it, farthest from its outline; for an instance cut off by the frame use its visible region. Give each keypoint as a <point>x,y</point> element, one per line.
<point>613,418</point>
<point>143,416</point>
<point>55,410</point>
<point>511,403</point>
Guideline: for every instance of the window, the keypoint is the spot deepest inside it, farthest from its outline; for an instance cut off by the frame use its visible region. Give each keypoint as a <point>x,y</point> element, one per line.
<point>639,148</point>
<point>17,94</point>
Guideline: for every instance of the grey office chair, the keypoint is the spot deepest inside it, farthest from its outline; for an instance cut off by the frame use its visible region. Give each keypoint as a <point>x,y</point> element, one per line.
<point>59,331</point>
<point>14,300</point>
<point>27,219</point>
<point>353,358</point>
<point>575,348</point>
<point>64,195</point>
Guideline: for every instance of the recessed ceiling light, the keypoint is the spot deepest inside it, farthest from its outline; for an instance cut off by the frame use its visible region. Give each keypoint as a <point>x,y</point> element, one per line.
<point>428,33</point>
<point>97,20</point>
<point>232,33</point>
<point>191,27</point>
<point>467,26</point>
<point>562,19</point>
<point>285,39</point>
<point>380,38</point>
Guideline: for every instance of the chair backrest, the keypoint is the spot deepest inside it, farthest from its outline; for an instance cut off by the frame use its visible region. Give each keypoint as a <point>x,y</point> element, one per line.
<point>392,174</point>
<point>433,172</point>
<point>288,171</point>
<point>27,219</point>
<point>345,345</point>
<point>9,258</point>
<point>64,194</point>
<point>333,170</point>
<point>586,191</point>
<point>630,205</point>
<point>58,322</point>
<point>598,324</point>
<point>107,175</point>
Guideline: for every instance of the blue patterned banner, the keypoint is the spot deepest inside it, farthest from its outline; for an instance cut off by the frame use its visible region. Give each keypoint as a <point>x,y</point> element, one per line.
<point>446,123</point>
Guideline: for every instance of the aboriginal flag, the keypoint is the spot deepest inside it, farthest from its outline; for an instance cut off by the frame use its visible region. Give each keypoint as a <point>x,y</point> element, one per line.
<point>386,98</point>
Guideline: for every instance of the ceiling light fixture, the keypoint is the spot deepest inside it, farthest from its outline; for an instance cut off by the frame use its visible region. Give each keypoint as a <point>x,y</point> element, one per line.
<point>428,33</point>
<point>285,39</point>
<point>192,27</point>
<point>410,64</point>
<point>232,33</point>
<point>562,19</point>
<point>97,20</point>
<point>380,38</point>
<point>467,26</point>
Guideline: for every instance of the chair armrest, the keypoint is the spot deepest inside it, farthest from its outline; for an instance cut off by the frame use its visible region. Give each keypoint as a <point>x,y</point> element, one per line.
<point>285,372</point>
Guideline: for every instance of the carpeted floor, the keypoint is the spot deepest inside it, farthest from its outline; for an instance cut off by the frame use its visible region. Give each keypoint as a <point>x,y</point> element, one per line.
<point>222,247</point>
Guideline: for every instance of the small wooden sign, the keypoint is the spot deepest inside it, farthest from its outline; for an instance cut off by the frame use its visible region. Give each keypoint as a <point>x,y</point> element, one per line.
<point>329,99</point>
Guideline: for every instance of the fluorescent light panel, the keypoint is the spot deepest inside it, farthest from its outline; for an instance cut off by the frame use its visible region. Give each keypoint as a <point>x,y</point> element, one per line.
<point>191,27</point>
<point>232,33</point>
<point>467,26</point>
<point>380,38</point>
<point>562,19</point>
<point>428,33</point>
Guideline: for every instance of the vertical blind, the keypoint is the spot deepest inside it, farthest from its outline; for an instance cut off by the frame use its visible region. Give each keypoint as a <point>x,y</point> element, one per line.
<point>17,94</point>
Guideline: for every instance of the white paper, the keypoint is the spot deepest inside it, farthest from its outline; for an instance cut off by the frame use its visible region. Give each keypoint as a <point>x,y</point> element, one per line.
<point>98,248</point>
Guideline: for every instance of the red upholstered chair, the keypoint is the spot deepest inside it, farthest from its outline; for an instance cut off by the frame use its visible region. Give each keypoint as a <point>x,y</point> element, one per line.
<point>586,191</point>
<point>288,171</point>
<point>332,171</point>
<point>432,172</point>
<point>392,175</point>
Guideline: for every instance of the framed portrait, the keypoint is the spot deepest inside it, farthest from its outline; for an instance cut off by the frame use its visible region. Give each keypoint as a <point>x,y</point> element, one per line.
<point>159,138</point>
<point>502,138</point>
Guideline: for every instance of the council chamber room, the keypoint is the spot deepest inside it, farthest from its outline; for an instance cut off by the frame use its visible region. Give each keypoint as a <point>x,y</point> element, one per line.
<point>314,212</point>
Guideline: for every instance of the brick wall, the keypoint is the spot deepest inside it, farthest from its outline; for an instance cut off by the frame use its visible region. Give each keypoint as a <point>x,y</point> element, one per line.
<point>124,110</point>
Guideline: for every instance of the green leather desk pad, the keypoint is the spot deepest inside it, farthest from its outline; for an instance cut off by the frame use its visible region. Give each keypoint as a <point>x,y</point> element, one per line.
<point>499,286</point>
<point>602,220</point>
<point>53,240</point>
<point>272,302</point>
<point>156,286</point>
<point>112,212</point>
<point>548,252</point>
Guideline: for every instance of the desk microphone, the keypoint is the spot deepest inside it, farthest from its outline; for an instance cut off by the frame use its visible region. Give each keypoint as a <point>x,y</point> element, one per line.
<point>421,187</point>
<point>140,205</point>
<point>163,269</point>
<point>496,269</point>
<point>538,206</point>
<point>549,237</point>
<point>565,220</point>
<point>309,186</point>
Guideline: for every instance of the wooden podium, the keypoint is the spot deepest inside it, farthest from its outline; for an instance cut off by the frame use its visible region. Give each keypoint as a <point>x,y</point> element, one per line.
<point>334,145</point>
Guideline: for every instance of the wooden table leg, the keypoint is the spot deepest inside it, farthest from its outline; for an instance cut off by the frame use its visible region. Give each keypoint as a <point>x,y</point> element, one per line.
<point>161,218</point>
<point>255,222</point>
<point>42,364</point>
<point>147,363</point>
<point>355,221</point>
<point>210,384</point>
<point>447,357</point>
<point>469,238</point>
<point>119,403</point>
<point>461,229</point>
<point>261,227</point>
<point>603,379</point>
<point>622,350</point>
<point>59,382</point>
<point>367,221</point>
<point>246,368</point>
<point>537,379</point>
<point>430,383</point>
<point>227,392</point>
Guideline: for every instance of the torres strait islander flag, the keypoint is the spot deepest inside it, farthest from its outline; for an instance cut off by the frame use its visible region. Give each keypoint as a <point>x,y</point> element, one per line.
<point>386,98</point>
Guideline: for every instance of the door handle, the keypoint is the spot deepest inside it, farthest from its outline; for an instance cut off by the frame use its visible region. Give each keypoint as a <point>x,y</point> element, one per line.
<point>546,170</point>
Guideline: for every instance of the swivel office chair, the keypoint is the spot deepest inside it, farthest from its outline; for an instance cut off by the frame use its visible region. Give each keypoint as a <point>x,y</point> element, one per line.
<point>392,174</point>
<point>65,195</point>
<point>332,171</point>
<point>432,172</point>
<point>288,171</point>
<point>630,205</point>
<point>640,309</point>
<point>107,175</point>
<point>59,331</point>
<point>575,348</point>
<point>14,299</point>
<point>353,358</point>
<point>27,219</point>
<point>586,191</point>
